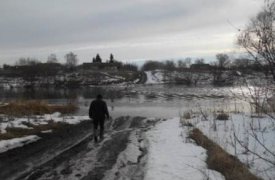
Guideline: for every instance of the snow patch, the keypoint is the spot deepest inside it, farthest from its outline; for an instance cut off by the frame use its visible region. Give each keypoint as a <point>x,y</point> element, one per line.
<point>6,145</point>
<point>39,120</point>
<point>245,129</point>
<point>154,77</point>
<point>47,131</point>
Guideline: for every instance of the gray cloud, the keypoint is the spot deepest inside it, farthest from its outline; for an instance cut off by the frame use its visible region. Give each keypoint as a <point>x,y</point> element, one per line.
<point>39,27</point>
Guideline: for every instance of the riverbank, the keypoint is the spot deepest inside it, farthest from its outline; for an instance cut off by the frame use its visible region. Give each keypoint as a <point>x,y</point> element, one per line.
<point>19,119</point>
<point>22,160</point>
<point>133,148</point>
<point>127,78</point>
<point>73,79</point>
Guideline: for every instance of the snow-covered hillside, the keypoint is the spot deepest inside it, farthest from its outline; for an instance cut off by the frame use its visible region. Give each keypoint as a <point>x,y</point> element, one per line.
<point>154,77</point>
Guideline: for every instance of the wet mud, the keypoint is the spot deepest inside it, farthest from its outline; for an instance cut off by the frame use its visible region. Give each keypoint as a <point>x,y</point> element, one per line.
<point>72,153</point>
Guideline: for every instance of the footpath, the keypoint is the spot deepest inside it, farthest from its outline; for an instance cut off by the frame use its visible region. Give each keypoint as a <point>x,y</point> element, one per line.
<point>172,155</point>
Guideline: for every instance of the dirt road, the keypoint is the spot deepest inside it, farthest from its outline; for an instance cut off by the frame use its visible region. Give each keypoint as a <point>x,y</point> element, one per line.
<point>72,154</point>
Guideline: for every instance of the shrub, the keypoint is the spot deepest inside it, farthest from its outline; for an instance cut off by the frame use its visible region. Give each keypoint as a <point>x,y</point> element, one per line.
<point>184,120</point>
<point>222,116</point>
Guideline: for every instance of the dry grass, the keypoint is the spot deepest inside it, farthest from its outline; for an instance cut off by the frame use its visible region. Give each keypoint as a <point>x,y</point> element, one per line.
<point>185,119</point>
<point>36,107</point>
<point>15,132</point>
<point>221,161</point>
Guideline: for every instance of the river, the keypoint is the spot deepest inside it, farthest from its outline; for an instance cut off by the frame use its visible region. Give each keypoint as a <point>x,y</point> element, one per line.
<point>163,101</point>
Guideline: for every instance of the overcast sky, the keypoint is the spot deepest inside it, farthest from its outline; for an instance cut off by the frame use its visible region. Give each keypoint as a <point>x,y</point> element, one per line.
<point>130,29</point>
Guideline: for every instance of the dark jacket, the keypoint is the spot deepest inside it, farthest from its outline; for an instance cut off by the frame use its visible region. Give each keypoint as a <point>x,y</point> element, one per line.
<point>98,110</point>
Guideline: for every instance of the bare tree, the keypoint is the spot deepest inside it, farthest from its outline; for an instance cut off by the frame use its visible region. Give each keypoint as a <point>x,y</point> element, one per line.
<point>169,65</point>
<point>242,63</point>
<point>222,60</point>
<point>181,64</point>
<point>199,61</point>
<point>71,60</point>
<point>21,62</point>
<point>188,61</point>
<point>218,68</point>
<point>258,38</point>
<point>27,62</point>
<point>185,63</point>
<point>52,58</point>
<point>263,105</point>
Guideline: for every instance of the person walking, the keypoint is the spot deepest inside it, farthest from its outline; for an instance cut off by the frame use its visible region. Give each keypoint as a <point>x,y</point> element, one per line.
<point>98,111</point>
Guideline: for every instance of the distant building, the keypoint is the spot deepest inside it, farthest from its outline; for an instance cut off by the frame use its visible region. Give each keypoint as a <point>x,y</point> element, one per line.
<point>101,66</point>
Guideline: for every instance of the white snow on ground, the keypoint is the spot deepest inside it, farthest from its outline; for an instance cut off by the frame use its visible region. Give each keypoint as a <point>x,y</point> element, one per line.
<point>38,120</point>
<point>154,77</point>
<point>136,81</point>
<point>47,131</point>
<point>171,156</point>
<point>6,145</point>
<point>250,132</point>
<point>14,123</point>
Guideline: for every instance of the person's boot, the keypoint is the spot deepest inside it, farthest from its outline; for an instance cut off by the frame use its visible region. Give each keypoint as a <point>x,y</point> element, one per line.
<point>101,135</point>
<point>95,135</point>
<point>95,138</point>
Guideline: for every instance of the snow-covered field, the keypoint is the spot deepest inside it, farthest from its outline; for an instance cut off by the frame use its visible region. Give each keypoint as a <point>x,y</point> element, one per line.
<point>172,156</point>
<point>251,139</point>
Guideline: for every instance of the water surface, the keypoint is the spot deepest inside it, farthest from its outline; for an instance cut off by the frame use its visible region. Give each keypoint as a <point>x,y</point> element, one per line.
<point>140,100</point>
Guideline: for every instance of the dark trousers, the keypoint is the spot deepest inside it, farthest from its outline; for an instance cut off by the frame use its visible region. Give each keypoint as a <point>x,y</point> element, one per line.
<point>100,123</point>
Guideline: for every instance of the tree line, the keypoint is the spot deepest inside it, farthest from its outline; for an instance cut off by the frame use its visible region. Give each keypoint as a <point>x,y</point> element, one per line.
<point>222,62</point>
<point>71,62</point>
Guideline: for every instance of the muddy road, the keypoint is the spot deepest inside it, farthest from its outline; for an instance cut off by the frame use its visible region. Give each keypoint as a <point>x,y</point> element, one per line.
<point>72,154</point>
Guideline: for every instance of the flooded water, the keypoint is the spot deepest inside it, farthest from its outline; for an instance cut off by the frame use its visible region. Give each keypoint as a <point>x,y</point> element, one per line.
<point>141,100</point>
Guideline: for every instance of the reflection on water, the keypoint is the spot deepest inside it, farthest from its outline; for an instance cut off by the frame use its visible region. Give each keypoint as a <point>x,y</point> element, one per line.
<point>141,100</point>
